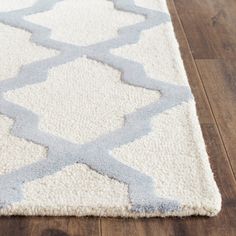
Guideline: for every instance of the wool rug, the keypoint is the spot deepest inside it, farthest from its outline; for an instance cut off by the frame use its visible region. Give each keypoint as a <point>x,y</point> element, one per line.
<point>96,113</point>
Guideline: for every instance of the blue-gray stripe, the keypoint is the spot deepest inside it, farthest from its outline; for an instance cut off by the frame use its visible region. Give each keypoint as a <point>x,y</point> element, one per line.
<point>95,154</point>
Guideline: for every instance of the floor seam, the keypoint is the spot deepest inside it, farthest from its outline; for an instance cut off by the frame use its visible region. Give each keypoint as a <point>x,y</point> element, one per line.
<point>204,89</point>
<point>100,226</point>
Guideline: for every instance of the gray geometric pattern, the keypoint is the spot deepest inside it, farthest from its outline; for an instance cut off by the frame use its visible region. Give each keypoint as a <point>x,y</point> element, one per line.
<point>95,154</point>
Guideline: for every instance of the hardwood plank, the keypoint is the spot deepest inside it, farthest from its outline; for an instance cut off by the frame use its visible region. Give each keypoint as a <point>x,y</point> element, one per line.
<point>202,98</point>
<point>202,103</point>
<point>49,226</point>
<point>210,27</point>
<point>220,165</point>
<point>138,227</point>
<point>224,223</point>
<point>218,77</point>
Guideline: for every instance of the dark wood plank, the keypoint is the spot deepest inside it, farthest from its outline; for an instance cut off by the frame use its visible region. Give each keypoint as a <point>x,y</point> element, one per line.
<point>202,103</point>
<point>209,26</point>
<point>224,223</point>
<point>49,226</point>
<point>138,227</point>
<point>219,79</point>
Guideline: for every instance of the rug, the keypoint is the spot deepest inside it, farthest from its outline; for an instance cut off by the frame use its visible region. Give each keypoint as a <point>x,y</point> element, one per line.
<point>96,113</point>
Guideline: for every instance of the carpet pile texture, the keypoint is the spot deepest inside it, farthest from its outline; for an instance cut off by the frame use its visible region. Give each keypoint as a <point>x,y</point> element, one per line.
<point>96,113</point>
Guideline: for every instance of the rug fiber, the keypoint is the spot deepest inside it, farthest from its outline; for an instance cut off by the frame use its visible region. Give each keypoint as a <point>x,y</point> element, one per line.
<point>96,113</point>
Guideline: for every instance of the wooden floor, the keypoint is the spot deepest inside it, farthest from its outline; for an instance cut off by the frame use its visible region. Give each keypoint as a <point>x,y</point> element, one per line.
<point>206,31</point>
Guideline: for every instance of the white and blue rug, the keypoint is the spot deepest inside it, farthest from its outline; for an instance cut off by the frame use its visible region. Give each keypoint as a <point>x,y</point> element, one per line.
<point>96,113</point>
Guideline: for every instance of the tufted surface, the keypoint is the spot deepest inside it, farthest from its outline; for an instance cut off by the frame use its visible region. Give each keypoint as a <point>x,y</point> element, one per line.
<point>97,116</point>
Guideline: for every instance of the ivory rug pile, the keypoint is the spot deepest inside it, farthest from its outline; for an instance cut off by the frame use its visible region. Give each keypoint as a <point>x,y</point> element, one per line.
<point>96,113</point>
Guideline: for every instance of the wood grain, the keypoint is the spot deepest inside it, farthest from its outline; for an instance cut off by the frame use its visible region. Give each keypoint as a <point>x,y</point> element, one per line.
<point>219,79</point>
<point>224,223</point>
<point>210,27</point>
<point>49,226</point>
